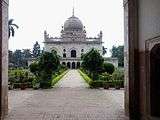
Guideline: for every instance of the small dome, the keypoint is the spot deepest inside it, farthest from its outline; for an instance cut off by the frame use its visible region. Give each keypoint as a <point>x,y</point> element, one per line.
<point>73,23</point>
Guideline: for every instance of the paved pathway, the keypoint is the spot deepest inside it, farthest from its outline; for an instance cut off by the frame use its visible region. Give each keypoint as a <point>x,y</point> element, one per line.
<point>72,80</point>
<point>67,101</point>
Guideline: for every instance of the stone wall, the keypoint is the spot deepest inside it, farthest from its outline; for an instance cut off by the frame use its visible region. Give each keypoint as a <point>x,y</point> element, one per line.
<point>149,35</point>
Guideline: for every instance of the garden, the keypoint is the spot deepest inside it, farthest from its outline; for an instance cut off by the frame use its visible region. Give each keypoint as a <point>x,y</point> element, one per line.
<point>43,73</point>
<point>99,74</point>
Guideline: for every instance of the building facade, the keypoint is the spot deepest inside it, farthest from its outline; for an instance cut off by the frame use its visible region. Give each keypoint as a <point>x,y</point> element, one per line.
<point>72,43</point>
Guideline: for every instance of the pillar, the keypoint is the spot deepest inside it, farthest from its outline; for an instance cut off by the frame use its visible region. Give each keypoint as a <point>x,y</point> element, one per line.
<point>131,59</point>
<point>3,57</point>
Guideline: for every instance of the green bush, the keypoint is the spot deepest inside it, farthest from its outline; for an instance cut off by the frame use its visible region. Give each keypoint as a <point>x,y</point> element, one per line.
<point>19,76</point>
<point>85,77</point>
<point>35,84</point>
<point>118,75</point>
<point>96,84</point>
<point>44,68</point>
<point>108,67</point>
<point>118,83</point>
<point>105,77</point>
<point>92,61</point>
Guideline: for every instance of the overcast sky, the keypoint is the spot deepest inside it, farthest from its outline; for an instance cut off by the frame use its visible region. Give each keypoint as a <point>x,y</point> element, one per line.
<point>35,16</point>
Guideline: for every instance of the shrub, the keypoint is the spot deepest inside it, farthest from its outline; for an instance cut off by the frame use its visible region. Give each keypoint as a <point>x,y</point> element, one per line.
<point>92,61</point>
<point>118,78</point>
<point>96,84</point>
<point>44,68</point>
<point>105,76</point>
<point>108,67</point>
<point>118,75</point>
<point>20,76</point>
<point>35,84</point>
<point>118,84</point>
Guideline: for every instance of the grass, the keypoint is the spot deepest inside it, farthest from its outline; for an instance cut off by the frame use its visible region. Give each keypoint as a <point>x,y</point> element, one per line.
<point>85,77</point>
<point>56,79</point>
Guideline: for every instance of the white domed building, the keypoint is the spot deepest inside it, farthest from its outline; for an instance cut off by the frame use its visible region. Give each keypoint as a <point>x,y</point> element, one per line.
<point>72,43</point>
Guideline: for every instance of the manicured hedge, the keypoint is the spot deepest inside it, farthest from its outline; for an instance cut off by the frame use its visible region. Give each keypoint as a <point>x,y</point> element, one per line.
<point>85,77</point>
<point>101,83</point>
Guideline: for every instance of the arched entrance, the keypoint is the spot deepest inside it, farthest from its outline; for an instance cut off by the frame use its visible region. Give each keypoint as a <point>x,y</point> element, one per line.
<point>155,81</point>
<point>78,64</point>
<point>73,65</point>
<point>63,63</point>
<point>69,65</point>
<point>73,53</point>
<point>129,5</point>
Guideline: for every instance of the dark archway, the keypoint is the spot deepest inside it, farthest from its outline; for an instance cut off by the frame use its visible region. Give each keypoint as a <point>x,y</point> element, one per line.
<point>155,81</point>
<point>73,65</point>
<point>64,55</point>
<point>131,15</point>
<point>73,53</point>
<point>69,65</point>
<point>63,63</point>
<point>78,64</point>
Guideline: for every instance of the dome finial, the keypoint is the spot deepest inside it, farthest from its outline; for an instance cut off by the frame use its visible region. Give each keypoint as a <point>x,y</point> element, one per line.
<point>73,8</point>
<point>73,12</point>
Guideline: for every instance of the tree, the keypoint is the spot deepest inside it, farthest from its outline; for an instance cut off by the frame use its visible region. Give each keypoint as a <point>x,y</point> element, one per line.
<point>11,28</point>
<point>36,50</point>
<point>47,64</point>
<point>119,53</point>
<point>49,61</point>
<point>92,61</point>
<point>27,53</point>
<point>18,58</point>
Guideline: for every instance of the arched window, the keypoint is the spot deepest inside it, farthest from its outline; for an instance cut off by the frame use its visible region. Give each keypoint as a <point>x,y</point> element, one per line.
<point>82,50</point>
<point>69,65</point>
<point>63,63</point>
<point>73,65</point>
<point>73,53</point>
<point>64,55</point>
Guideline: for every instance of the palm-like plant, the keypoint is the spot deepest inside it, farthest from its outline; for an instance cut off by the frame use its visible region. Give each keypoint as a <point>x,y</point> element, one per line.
<point>11,28</point>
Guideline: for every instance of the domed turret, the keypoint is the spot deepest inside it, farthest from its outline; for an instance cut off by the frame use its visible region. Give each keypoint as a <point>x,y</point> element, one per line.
<point>73,24</point>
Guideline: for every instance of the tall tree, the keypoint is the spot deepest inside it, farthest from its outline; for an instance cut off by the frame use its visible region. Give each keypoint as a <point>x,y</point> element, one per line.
<point>36,50</point>
<point>17,56</point>
<point>119,53</point>
<point>27,53</point>
<point>92,61</point>
<point>11,28</point>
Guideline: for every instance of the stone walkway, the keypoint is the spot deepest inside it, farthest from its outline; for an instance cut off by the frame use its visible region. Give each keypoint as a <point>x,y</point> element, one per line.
<point>72,80</point>
<point>69,100</point>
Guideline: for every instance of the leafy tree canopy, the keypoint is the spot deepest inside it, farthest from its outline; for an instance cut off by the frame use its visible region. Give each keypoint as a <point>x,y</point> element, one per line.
<point>119,53</point>
<point>11,28</point>
<point>92,61</point>
<point>36,50</point>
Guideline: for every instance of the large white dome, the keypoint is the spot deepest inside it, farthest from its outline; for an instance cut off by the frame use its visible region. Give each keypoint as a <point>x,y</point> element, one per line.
<point>73,24</point>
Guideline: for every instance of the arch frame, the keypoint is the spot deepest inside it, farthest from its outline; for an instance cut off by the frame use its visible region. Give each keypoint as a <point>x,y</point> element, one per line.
<point>131,39</point>
<point>149,45</point>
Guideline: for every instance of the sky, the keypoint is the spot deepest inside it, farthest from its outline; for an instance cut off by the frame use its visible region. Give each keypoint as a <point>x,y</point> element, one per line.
<point>35,16</point>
